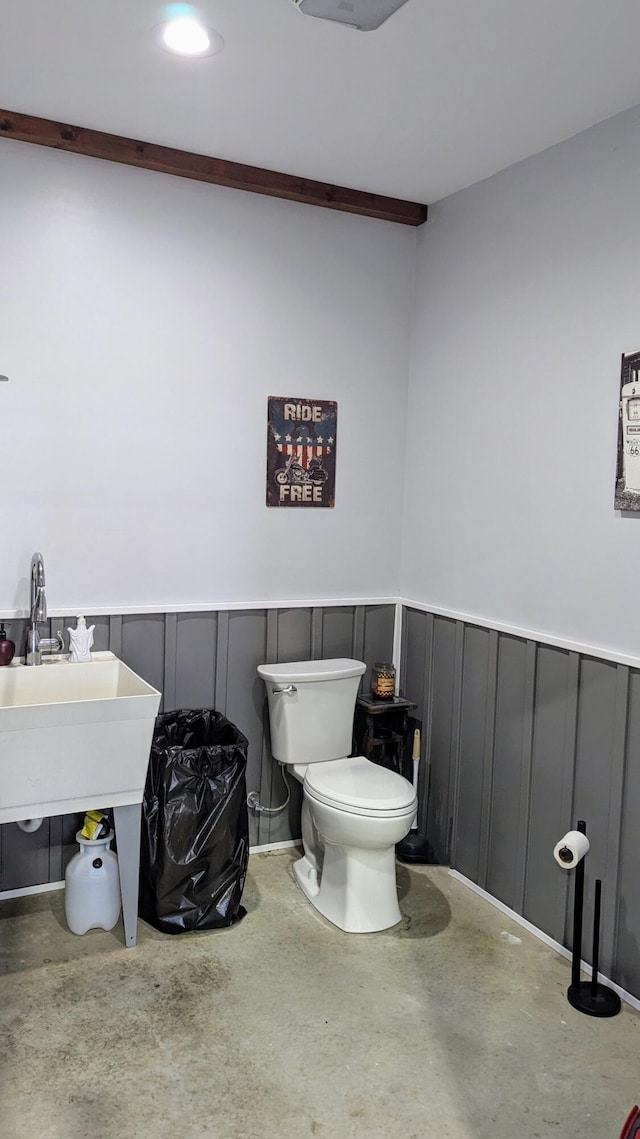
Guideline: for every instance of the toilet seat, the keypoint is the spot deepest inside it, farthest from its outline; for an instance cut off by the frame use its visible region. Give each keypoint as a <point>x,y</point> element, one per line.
<point>359,787</point>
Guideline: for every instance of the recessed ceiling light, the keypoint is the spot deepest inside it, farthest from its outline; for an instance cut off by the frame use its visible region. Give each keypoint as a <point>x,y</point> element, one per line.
<point>186,35</point>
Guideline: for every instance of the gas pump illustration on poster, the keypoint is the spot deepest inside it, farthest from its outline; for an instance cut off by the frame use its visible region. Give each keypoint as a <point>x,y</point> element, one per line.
<point>627,495</point>
<point>301,451</point>
<point>631,435</point>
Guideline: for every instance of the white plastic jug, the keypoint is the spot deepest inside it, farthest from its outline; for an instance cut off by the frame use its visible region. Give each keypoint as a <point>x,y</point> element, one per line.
<point>92,885</point>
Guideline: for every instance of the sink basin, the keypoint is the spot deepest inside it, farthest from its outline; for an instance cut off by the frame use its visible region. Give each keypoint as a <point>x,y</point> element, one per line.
<point>73,736</point>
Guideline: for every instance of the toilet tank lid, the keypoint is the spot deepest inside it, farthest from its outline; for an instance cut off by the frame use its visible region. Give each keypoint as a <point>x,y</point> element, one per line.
<point>299,671</point>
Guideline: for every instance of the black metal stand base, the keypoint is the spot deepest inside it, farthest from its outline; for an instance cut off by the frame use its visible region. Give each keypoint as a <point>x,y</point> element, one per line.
<point>595,1000</point>
<point>414,849</point>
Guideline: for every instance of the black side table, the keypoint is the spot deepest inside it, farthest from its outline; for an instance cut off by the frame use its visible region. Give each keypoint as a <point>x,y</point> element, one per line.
<point>381,728</point>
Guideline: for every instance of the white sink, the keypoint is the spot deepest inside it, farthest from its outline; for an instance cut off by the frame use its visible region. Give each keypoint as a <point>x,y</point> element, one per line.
<point>73,736</point>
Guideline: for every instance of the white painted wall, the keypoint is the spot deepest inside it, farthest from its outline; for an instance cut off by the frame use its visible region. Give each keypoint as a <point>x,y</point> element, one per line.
<point>144,321</point>
<point>528,292</point>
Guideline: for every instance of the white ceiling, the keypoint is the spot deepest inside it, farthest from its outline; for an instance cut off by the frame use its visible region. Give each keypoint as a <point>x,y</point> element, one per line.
<point>444,94</point>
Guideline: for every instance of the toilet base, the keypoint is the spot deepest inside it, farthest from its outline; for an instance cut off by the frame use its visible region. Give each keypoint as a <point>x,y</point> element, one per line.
<point>356,890</point>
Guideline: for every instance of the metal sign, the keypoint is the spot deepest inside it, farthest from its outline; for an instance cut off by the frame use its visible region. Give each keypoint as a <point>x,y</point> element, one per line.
<point>301,451</point>
<point>627,494</point>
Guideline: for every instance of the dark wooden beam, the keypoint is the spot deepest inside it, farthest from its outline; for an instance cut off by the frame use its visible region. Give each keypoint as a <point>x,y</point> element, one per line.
<point>166,160</point>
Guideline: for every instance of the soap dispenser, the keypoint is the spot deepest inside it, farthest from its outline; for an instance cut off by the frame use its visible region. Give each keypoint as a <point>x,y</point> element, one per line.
<point>7,648</point>
<point>80,641</point>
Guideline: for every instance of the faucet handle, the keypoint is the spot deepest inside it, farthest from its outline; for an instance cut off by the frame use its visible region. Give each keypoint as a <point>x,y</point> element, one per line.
<point>52,644</point>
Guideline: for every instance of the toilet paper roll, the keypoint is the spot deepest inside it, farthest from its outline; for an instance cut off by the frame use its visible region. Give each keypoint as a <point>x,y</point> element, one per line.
<point>571,848</point>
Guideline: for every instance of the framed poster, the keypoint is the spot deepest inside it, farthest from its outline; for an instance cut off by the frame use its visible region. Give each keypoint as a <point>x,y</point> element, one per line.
<point>301,451</point>
<point>627,495</point>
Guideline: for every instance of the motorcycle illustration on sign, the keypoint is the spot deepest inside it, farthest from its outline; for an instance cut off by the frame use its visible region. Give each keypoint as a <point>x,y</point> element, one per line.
<point>294,472</point>
<point>301,451</point>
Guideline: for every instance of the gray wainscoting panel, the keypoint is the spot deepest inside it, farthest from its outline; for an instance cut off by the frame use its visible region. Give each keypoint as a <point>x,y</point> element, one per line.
<point>357,639</point>
<point>337,633</point>
<point>143,646</point>
<point>378,637</point>
<point>471,821</point>
<point>200,660</point>
<point>595,776</point>
<point>511,772</point>
<point>432,678</point>
<point>190,661</point>
<point>415,685</point>
<point>293,635</point>
<point>529,738</point>
<point>628,898</point>
<point>244,700</point>
<point>22,853</point>
<point>101,632</point>
<point>442,715</point>
<point>290,635</point>
<point>550,803</point>
<point>415,668</point>
<point>372,637</point>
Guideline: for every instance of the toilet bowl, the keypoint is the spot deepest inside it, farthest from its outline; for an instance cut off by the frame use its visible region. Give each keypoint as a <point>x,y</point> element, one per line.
<point>353,811</point>
<point>358,820</point>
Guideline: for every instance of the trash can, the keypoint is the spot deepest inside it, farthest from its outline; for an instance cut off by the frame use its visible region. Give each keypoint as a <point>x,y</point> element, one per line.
<point>194,847</point>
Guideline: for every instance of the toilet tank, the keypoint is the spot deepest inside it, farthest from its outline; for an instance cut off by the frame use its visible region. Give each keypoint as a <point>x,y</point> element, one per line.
<point>314,723</point>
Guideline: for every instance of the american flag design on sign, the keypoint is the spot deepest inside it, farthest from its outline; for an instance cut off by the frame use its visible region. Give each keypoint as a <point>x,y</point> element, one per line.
<point>301,451</point>
<point>304,452</point>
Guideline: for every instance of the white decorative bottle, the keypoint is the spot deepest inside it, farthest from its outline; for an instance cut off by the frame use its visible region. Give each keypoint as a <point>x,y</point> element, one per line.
<point>80,641</point>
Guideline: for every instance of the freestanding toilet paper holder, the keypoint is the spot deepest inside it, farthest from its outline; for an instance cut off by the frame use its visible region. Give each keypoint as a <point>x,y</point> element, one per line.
<point>590,997</point>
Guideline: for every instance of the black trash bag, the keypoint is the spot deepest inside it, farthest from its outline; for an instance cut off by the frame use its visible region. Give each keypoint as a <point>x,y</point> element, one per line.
<point>194,847</point>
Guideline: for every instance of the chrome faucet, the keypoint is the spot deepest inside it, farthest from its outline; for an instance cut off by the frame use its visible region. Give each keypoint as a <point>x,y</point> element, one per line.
<point>36,644</point>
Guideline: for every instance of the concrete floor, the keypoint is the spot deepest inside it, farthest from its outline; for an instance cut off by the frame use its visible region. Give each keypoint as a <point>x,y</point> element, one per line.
<point>283,1027</point>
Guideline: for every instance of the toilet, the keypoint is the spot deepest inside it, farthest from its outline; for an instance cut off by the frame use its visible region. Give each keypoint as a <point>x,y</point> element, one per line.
<point>353,811</point>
